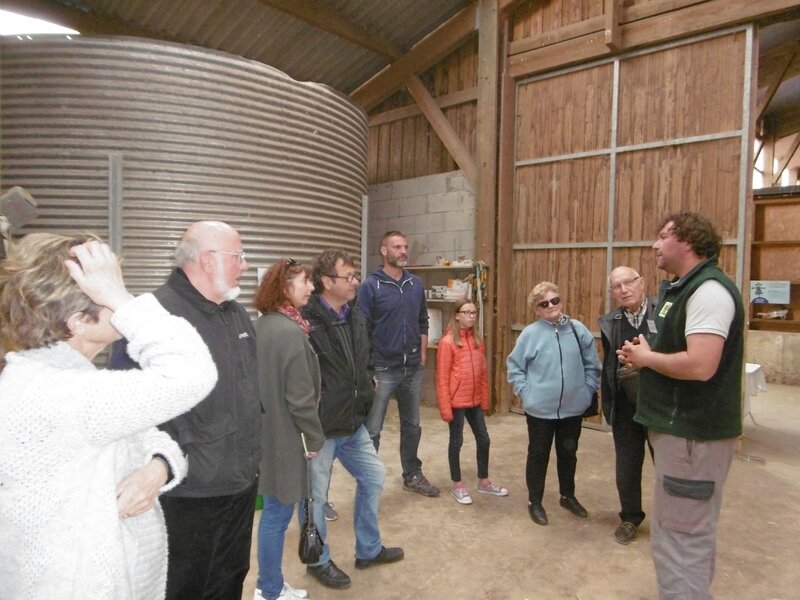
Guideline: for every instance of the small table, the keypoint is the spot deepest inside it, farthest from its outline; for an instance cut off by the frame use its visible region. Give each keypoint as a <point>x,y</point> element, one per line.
<point>754,381</point>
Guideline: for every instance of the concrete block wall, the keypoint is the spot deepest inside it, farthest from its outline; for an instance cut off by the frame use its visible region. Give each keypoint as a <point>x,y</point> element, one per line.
<point>778,353</point>
<point>436,212</point>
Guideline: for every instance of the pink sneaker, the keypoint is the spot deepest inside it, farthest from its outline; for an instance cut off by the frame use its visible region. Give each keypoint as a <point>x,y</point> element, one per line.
<point>493,489</point>
<point>461,495</point>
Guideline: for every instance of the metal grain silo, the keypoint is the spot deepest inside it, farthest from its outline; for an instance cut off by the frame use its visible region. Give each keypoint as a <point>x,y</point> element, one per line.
<point>135,139</point>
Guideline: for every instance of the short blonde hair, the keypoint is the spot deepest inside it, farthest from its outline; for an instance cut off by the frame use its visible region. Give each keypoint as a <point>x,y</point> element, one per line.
<point>37,293</point>
<point>539,290</point>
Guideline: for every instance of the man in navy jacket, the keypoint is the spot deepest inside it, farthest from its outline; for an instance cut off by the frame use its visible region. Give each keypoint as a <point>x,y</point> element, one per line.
<point>393,300</point>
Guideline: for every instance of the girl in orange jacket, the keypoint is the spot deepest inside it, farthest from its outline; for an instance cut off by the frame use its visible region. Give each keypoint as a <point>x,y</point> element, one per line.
<point>462,391</point>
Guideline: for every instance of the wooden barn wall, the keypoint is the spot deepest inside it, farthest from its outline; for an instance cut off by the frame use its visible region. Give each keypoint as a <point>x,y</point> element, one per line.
<point>603,151</point>
<point>409,147</point>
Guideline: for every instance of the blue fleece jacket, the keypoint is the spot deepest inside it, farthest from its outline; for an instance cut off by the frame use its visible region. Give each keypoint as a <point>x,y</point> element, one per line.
<point>396,317</point>
<point>552,375</point>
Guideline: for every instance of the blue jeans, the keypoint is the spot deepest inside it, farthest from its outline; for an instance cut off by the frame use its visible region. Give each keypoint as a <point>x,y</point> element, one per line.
<point>474,416</point>
<point>406,384</point>
<point>271,532</point>
<point>357,454</point>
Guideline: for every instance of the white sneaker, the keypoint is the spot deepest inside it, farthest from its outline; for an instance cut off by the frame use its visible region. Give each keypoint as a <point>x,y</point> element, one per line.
<point>287,593</point>
<point>290,593</point>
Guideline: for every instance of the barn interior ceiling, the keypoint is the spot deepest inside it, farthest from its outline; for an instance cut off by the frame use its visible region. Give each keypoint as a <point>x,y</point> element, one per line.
<point>347,43</point>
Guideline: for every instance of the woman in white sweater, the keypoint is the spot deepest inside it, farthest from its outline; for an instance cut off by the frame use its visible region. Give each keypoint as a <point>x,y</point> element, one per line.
<point>81,463</point>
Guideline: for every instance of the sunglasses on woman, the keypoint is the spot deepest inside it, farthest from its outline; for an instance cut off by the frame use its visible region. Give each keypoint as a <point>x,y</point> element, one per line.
<point>552,302</point>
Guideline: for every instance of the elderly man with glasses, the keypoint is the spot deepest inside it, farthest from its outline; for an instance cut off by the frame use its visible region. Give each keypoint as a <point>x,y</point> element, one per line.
<point>210,515</point>
<point>631,317</point>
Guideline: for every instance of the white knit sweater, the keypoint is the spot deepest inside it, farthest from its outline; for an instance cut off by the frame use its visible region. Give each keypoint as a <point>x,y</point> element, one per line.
<point>69,433</point>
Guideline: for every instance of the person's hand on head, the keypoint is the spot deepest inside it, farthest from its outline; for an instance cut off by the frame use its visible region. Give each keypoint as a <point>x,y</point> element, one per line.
<point>98,274</point>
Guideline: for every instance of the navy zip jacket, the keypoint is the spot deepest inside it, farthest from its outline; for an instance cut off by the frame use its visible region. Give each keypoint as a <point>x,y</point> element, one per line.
<point>396,318</point>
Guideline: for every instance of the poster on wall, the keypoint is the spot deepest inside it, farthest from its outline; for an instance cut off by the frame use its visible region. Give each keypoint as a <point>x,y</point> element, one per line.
<point>769,292</point>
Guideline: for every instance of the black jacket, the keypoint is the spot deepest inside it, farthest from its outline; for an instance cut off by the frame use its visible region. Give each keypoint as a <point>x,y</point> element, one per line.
<point>611,340</point>
<point>222,434</point>
<point>346,378</point>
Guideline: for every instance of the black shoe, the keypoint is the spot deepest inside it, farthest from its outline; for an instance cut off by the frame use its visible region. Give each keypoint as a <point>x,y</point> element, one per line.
<point>418,483</point>
<point>385,556</point>
<point>537,513</point>
<point>573,506</point>
<point>625,532</point>
<point>330,575</point>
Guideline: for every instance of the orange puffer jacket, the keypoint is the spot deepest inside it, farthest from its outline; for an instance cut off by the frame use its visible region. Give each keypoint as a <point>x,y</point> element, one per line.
<point>461,380</point>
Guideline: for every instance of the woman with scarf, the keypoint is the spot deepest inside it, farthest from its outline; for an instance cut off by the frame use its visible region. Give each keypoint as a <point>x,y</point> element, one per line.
<point>289,384</point>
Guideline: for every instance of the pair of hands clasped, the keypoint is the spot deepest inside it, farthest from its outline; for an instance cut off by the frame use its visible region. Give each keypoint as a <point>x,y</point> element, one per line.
<point>634,353</point>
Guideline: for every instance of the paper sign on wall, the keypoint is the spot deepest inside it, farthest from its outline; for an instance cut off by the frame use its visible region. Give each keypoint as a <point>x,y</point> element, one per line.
<point>769,292</point>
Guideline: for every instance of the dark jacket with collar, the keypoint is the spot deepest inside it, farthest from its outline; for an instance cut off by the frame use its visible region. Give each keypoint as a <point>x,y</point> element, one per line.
<point>611,338</point>
<point>397,316</point>
<point>346,377</point>
<point>221,434</point>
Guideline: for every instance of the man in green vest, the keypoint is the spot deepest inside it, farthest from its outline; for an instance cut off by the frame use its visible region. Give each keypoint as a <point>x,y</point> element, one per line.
<point>690,392</point>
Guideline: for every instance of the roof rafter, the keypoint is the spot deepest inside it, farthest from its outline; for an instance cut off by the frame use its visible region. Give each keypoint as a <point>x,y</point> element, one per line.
<point>425,53</point>
<point>320,15</point>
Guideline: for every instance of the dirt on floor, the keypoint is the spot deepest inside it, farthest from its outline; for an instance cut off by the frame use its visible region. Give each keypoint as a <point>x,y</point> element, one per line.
<point>492,550</point>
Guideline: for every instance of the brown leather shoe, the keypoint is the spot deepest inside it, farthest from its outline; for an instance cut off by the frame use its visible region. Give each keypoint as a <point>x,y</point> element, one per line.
<point>385,556</point>
<point>625,532</point>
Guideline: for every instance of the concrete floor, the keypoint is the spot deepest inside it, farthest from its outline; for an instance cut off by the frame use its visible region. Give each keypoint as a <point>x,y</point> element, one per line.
<point>492,550</point>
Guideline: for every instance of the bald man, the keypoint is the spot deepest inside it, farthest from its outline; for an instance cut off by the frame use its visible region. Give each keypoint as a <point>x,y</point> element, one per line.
<point>210,515</point>
<point>625,322</point>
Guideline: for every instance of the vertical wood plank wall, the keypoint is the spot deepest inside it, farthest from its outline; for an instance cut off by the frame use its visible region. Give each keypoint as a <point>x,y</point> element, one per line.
<point>408,147</point>
<point>604,151</point>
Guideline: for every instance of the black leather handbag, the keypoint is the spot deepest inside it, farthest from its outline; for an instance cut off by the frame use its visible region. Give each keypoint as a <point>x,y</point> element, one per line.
<point>310,548</point>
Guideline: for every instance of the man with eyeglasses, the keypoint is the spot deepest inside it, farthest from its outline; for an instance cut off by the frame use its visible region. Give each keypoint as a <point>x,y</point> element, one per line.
<point>690,382</point>
<point>393,300</point>
<point>626,322</point>
<point>339,337</point>
<point>209,516</point>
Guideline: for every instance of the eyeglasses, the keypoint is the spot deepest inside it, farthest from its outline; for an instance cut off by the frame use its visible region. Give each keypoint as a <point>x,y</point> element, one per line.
<point>350,278</point>
<point>239,255</point>
<point>624,283</point>
<point>555,301</point>
<point>469,313</point>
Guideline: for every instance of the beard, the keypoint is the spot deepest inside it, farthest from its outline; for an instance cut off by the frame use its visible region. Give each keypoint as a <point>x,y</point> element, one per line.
<point>232,293</point>
<point>398,262</point>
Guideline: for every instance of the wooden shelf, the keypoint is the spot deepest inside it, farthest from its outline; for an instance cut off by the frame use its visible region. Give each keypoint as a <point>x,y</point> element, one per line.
<point>435,268</point>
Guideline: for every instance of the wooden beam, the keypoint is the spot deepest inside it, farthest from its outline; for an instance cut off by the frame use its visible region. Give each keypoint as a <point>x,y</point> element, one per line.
<point>425,53</point>
<point>555,36</point>
<point>443,129</point>
<point>506,6</point>
<point>320,15</point>
<point>404,112</point>
<point>786,159</point>
<point>612,11</point>
<point>486,154</point>
<point>663,27</point>
<point>505,231</point>
<point>87,23</point>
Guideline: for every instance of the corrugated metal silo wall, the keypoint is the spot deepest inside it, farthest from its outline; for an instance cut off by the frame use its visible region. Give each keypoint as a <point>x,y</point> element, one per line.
<point>136,139</point>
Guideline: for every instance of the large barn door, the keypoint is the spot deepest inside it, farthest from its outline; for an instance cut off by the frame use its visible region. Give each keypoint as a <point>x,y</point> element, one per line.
<point>603,151</point>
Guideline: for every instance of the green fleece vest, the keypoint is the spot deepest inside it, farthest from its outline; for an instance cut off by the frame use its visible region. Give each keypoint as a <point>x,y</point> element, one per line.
<point>698,410</point>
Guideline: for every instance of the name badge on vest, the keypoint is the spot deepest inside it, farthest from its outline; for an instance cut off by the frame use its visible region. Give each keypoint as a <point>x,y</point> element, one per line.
<point>651,326</point>
<point>665,309</point>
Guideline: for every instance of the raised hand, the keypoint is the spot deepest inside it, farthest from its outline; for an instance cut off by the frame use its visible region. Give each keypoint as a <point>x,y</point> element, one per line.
<point>97,272</point>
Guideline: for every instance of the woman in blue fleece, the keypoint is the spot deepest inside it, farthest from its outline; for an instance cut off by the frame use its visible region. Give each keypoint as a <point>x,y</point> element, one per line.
<point>554,369</point>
